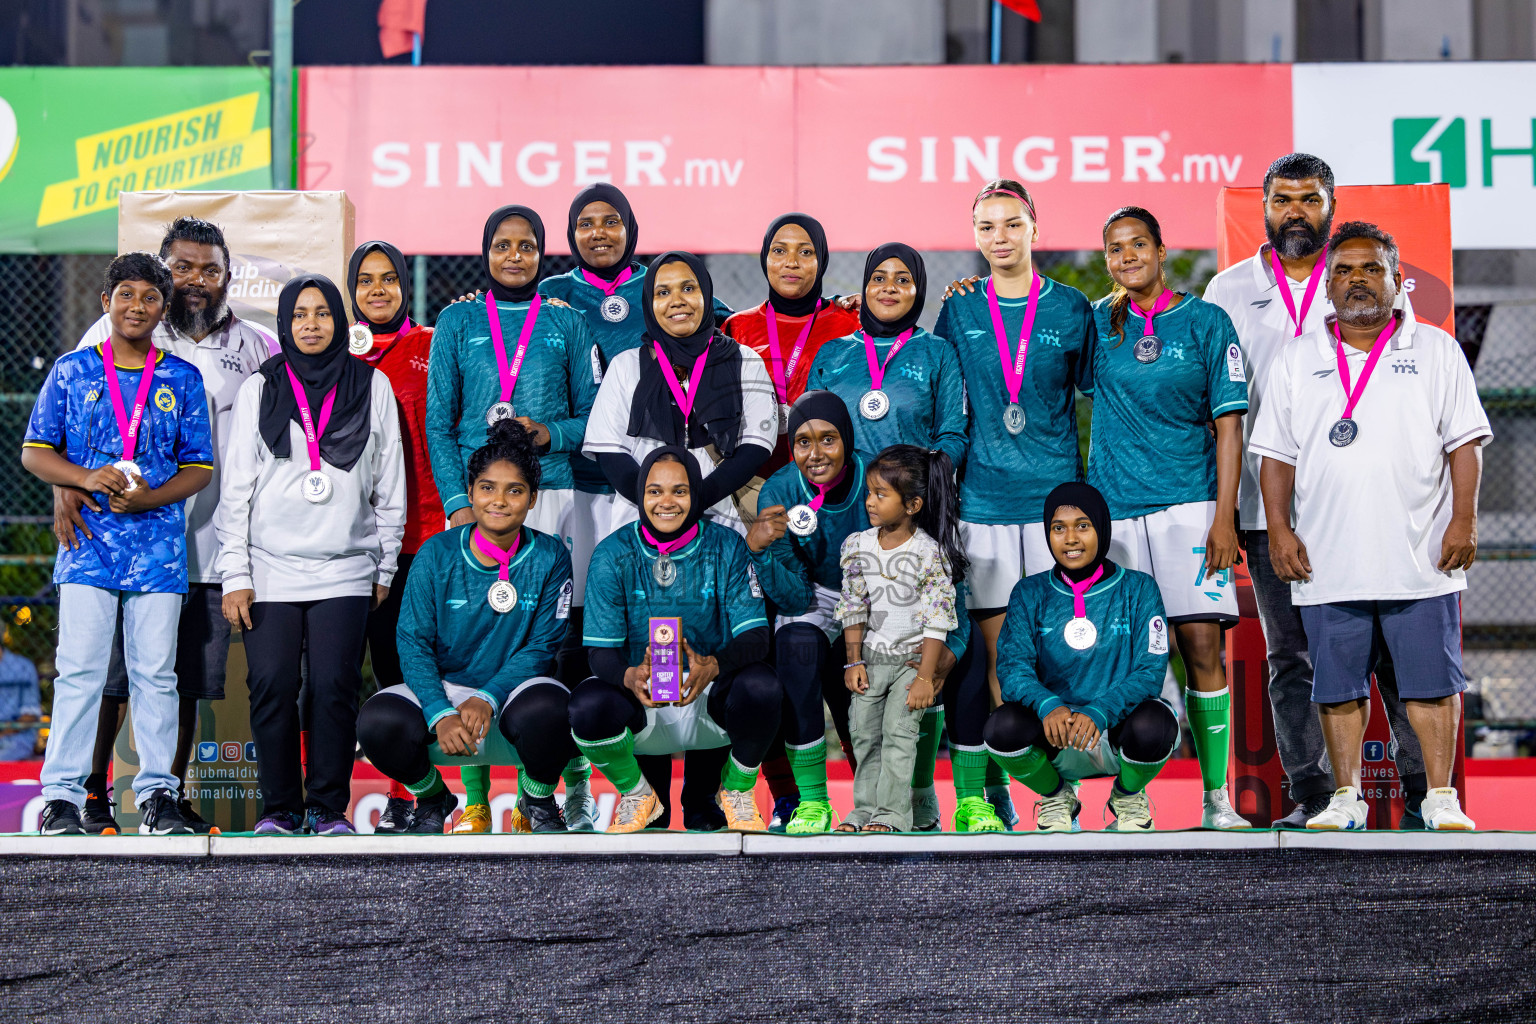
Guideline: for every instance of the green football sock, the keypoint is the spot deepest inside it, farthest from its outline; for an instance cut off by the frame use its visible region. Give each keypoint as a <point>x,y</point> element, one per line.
<point>531,787</point>
<point>1032,768</point>
<point>477,783</point>
<point>427,787</point>
<point>615,758</point>
<point>970,767</point>
<point>1210,718</point>
<point>1134,775</point>
<point>995,774</point>
<point>737,778</point>
<point>577,772</point>
<point>930,730</point>
<point>809,763</point>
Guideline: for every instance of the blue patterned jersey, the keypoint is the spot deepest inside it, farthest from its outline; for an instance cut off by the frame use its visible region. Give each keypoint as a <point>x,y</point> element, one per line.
<point>716,592</point>
<point>141,551</point>
<point>1007,476</point>
<point>1150,447</point>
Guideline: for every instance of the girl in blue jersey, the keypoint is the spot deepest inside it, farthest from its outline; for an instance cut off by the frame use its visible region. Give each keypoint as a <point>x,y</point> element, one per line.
<point>512,354</point>
<point>1163,366</point>
<point>1081,658</point>
<point>480,626</point>
<point>676,563</point>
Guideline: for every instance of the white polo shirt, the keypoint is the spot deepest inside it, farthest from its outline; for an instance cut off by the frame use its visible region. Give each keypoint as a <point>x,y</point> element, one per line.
<point>1247,291</point>
<point>225,359</point>
<point>1372,514</point>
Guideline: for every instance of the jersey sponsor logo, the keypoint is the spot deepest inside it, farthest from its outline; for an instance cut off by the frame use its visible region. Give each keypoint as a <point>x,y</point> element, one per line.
<point>563,606</point>
<point>1260,303</point>
<point>1235,364</point>
<point>456,603</point>
<point>1320,374</point>
<point>93,395</point>
<point>165,399</point>
<point>1406,366</point>
<point>230,362</point>
<point>1157,636</point>
<point>757,588</point>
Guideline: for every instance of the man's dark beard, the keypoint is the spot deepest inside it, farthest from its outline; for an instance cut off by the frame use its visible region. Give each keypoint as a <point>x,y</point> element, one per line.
<point>1293,245</point>
<point>197,323</point>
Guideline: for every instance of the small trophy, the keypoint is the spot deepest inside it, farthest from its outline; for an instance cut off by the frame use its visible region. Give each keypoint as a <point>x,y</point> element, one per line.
<point>666,660</point>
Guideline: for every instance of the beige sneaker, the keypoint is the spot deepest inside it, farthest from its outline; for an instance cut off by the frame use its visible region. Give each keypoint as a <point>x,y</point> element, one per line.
<point>636,809</point>
<point>741,813</point>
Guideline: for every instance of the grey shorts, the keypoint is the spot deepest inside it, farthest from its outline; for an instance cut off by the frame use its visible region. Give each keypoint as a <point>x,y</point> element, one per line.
<point>202,647</point>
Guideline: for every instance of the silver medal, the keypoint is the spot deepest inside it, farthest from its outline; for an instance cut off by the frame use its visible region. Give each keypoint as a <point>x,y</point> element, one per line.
<point>874,405</point>
<point>1148,349</point>
<point>665,571</point>
<point>1013,418</point>
<point>359,340</point>
<point>129,469</point>
<point>498,412</point>
<point>1343,433</point>
<point>316,487</point>
<point>1080,634</point>
<point>784,417</point>
<point>802,520</point>
<point>614,308</point>
<point>503,596</point>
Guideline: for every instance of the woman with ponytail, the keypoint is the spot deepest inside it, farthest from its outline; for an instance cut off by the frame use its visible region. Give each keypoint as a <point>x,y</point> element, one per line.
<point>897,602</point>
<point>1163,365</point>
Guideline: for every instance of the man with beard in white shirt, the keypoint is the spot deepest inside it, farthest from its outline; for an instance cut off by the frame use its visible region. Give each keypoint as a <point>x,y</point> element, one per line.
<point>1373,426</point>
<point>199,328</point>
<point>1298,214</point>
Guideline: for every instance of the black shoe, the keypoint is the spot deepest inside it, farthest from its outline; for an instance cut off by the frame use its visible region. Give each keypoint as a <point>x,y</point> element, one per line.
<point>396,819</point>
<point>544,815</point>
<point>704,820</point>
<point>1412,819</point>
<point>97,814</point>
<point>199,825</point>
<point>61,818</point>
<point>161,816</point>
<point>432,813</point>
<point>1311,807</point>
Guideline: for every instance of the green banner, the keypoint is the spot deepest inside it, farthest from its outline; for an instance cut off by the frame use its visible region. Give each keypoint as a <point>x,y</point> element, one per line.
<point>71,139</point>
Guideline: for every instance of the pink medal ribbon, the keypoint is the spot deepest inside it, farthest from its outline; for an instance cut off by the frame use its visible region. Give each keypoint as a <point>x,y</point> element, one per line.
<point>822,489</point>
<point>607,287</point>
<point>783,371</point>
<point>1284,284</point>
<point>373,355</point>
<point>128,423</point>
<point>684,401</point>
<point>1163,302</point>
<point>509,371</point>
<point>875,403</point>
<point>312,432</point>
<point>1344,432</point>
<point>802,518</point>
<point>1013,368</point>
<point>502,595</point>
<point>1150,347</point>
<point>1081,634</point>
<point>664,571</point>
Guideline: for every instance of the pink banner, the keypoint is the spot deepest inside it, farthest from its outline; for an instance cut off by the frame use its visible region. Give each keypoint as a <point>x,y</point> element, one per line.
<point>709,155</point>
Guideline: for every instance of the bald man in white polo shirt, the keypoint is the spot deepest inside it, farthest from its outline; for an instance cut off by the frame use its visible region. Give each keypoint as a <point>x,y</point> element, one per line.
<point>1373,426</point>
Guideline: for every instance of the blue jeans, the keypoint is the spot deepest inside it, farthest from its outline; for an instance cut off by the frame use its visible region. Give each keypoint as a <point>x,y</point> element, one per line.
<point>87,621</point>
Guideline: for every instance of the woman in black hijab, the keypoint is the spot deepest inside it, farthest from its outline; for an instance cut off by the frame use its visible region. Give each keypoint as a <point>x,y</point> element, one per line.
<point>310,519</point>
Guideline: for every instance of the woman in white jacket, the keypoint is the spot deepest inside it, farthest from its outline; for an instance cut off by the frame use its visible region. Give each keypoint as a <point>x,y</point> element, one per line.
<point>310,519</point>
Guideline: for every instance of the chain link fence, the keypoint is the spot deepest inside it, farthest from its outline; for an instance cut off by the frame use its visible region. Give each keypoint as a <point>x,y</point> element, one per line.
<point>55,298</point>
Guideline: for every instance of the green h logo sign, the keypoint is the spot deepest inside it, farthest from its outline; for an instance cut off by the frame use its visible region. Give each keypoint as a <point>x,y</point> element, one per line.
<point>1428,149</point>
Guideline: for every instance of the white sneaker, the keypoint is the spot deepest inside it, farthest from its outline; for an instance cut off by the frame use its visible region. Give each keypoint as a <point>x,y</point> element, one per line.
<point>1058,812</point>
<point>1442,812</point>
<point>580,809</point>
<point>925,810</point>
<point>1218,812</point>
<point>1345,812</point>
<point>1132,811</point>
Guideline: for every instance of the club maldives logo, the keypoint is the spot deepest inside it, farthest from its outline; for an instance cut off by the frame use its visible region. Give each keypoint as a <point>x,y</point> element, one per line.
<point>1436,149</point>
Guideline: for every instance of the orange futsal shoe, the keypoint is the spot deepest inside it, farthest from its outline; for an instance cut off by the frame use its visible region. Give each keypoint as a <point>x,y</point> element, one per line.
<point>476,820</point>
<point>520,823</point>
<point>741,813</point>
<point>635,811</point>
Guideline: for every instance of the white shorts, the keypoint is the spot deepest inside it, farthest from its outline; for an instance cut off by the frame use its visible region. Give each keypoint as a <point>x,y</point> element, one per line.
<point>1169,545</point>
<point>822,614</point>
<point>670,729</point>
<point>1001,555</point>
<point>494,749</point>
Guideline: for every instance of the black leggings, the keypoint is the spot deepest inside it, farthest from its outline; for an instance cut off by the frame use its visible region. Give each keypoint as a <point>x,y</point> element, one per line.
<point>1148,734</point>
<point>747,705</point>
<point>274,651</point>
<point>966,696</point>
<point>383,621</point>
<point>394,734</point>
<point>809,673</point>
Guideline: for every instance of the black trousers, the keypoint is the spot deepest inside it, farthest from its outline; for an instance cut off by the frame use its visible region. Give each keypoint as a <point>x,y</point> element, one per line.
<point>274,650</point>
<point>382,623</point>
<point>810,670</point>
<point>1148,733</point>
<point>394,734</point>
<point>966,697</point>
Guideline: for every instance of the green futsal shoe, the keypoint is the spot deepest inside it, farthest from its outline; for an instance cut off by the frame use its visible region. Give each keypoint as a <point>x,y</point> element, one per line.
<point>812,817</point>
<point>975,814</point>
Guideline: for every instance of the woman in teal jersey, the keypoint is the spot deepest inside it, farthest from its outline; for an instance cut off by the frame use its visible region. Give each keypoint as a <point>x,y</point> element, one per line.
<point>1082,658</point>
<point>1163,366</point>
<point>900,382</point>
<point>513,354</point>
<point>480,626</point>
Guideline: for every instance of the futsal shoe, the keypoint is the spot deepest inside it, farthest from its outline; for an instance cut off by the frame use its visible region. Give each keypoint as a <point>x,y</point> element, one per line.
<point>783,810</point>
<point>811,817</point>
<point>580,810</point>
<point>1412,819</point>
<point>1132,811</point>
<point>161,816</point>
<point>431,813</point>
<point>96,816</point>
<point>199,825</point>
<point>1217,811</point>
<point>636,809</point>
<point>703,819</point>
<point>1058,811</point>
<point>541,814</point>
<point>974,814</point>
<point>61,818</point>
<point>320,821</point>
<point>396,819</point>
<point>279,823</point>
<point>1345,812</point>
<point>475,821</point>
<point>1442,812</point>
<point>925,810</point>
<point>741,813</point>
<point>1001,799</point>
<point>1303,812</point>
